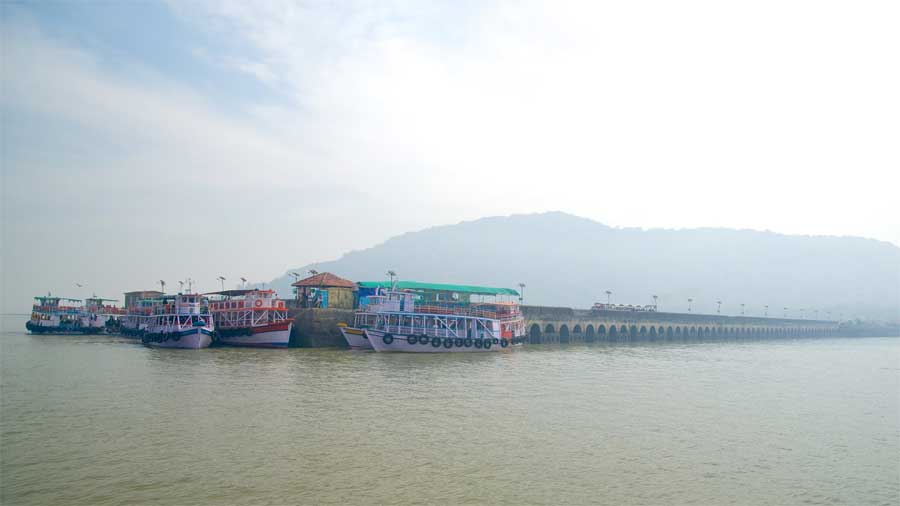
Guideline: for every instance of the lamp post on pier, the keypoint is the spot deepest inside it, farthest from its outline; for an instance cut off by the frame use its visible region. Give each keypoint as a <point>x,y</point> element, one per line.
<point>690,301</point>
<point>655,303</point>
<point>608,295</point>
<point>742,309</point>
<point>521,293</point>
<point>222,281</point>
<point>718,307</point>
<point>766,309</point>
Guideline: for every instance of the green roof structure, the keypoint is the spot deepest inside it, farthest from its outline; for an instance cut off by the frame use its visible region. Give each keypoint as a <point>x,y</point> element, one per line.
<point>440,287</point>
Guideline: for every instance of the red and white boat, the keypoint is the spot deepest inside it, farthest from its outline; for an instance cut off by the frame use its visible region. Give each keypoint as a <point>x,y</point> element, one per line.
<point>251,318</point>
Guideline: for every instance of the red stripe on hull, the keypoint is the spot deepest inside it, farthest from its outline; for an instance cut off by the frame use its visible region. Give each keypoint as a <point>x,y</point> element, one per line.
<point>285,325</point>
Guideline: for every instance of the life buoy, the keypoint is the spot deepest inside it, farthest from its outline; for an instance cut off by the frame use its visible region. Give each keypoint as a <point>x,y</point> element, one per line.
<point>436,342</point>
<point>258,303</point>
<point>388,339</point>
<point>504,343</point>
<point>412,339</point>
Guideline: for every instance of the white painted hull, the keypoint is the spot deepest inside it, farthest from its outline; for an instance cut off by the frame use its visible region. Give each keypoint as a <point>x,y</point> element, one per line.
<point>401,344</point>
<point>193,339</point>
<point>268,339</point>
<point>356,338</point>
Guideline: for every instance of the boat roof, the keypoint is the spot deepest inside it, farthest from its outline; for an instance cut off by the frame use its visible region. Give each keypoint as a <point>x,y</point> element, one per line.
<point>53,297</point>
<point>439,287</point>
<point>235,293</point>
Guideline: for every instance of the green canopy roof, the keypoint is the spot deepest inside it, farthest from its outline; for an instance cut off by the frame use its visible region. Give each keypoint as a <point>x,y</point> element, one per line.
<point>440,287</point>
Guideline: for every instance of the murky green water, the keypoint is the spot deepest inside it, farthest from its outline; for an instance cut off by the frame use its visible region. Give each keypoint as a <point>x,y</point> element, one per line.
<point>103,420</point>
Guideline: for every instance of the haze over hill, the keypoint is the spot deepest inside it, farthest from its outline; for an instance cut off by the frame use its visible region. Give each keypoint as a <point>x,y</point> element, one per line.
<point>565,260</point>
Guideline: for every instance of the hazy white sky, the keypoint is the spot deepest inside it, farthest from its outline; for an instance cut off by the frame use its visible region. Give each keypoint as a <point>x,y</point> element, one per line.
<point>147,141</point>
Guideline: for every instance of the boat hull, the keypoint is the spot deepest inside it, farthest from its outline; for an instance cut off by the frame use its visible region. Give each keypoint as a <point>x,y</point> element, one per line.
<point>356,338</point>
<point>61,330</point>
<point>192,339</point>
<point>384,342</point>
<point>269,336</point>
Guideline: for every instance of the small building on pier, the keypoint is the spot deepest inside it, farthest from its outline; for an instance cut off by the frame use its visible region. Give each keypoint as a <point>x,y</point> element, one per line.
<point>325,290</point>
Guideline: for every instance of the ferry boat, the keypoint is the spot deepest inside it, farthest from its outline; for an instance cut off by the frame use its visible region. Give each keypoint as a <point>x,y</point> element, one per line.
<point>415,317</point>
<point>251,318</point>
<point>179,321</point>
<point>137,317</point>
<point>356,335</point>
<point>62,315</point>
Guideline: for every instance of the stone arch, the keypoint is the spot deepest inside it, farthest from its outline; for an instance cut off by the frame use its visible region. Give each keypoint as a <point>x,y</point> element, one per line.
<point>634,331</point>
<point>534,334</point>
<point>693,331</point>
<point>652,332</point>
<point>643,331</point>
<point>661,330</point>
<point>613,332</point>
<point>601,331</point>
<point>670,333</point>
<point>589,333</point>
<point>623,330</point>
<point>549,329</point>
<point>677,331</point>
<point>706,331</point>
<point>564,333</point>
<point>576,329</point>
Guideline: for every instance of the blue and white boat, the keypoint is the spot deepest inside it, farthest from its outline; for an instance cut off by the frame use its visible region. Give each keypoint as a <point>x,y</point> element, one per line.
<point>180,321</point>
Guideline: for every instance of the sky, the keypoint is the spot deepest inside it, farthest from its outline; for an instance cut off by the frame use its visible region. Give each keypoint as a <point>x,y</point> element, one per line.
<point>152,140</point>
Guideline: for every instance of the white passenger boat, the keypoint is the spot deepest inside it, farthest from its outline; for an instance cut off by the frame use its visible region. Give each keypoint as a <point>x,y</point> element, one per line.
<point>62,315</point>
<point>179,321</point>
<point>415,317</point>
<point>251,317</point>
<point>356,336</point>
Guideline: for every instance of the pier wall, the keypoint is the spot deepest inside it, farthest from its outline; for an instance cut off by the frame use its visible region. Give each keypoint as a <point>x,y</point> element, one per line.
<point>318,328</point>
<point>567,325</point>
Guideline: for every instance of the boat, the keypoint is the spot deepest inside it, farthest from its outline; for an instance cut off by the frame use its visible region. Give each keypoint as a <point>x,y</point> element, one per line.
<point>356,336</point>
<point>179,321</point>
<point>62,315</point>
<point>137,317</point>
<point>414,317</point>
<point>250,317</point>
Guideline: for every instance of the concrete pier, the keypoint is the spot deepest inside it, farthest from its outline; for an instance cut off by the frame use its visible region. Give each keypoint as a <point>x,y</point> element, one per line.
<point>317,328</point>
<point>567,325</point>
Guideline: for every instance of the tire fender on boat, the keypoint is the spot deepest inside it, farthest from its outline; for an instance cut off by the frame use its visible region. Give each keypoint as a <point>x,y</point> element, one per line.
<point>487,344</point>
<point>504,343</point>
<point>477,343</point>
<point>412,339</point>
<point>448,342</point>
<point>436,342</point>
<point>388,339</point>
<point>467,342</point>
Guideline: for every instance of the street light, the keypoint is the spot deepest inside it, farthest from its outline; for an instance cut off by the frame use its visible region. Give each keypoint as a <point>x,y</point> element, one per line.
<point>392,275</point>
<point>766,308</point>
<point>521,293</point>
<point>742,310</point>
<point>690,301</point>
<point>222,280</point>
<point>313,272</point>
<point>785,311</point>
<point>655,305</point>
<point>180,286</point>
<point>718,307</point>
<point>243,282</point>
<point>608,295</point>
<point>162,286</point>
